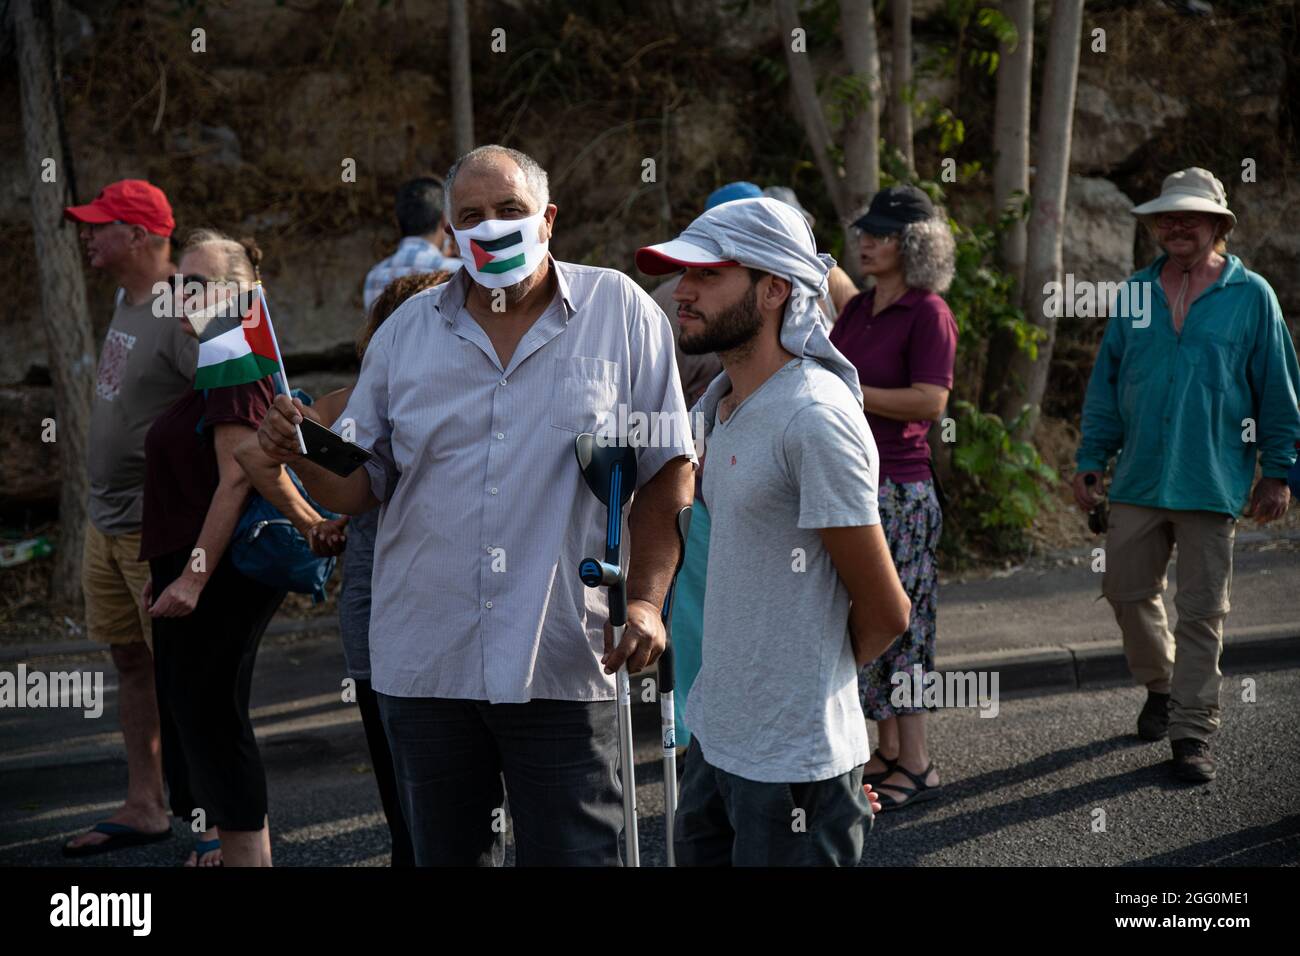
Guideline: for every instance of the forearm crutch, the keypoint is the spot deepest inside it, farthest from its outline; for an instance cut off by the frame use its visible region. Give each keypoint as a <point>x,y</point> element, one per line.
<point>667,682</point>
<point>610,473</point>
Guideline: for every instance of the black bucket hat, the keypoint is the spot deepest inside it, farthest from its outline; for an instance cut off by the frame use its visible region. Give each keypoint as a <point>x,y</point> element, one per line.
<point>894,208</point>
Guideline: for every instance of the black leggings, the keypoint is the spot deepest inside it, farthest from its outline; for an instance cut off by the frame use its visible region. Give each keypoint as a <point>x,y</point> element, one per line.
<point>203,671</point>
<point>382,760</point>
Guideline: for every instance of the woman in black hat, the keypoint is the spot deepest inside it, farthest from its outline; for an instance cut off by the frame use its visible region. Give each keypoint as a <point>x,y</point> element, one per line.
<point>902,337</point>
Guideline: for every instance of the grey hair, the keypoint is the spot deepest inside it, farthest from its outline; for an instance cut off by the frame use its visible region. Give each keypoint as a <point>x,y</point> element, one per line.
<point>239,261</point>
<point>534,175</point>
<point>928,254</point>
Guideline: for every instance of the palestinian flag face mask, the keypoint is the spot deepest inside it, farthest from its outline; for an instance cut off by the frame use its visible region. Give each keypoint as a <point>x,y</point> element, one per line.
<point>501,252</point>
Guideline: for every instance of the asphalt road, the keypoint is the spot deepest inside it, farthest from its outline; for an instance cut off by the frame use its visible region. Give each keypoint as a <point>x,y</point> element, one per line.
<point>1021,788</point>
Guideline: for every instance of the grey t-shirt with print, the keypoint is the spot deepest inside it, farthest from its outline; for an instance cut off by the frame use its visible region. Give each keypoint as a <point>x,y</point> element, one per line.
<point>776,699</point>
<point>147,363</point>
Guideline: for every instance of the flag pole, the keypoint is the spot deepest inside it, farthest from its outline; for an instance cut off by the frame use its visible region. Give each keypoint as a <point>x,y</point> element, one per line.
<point>284,376</point>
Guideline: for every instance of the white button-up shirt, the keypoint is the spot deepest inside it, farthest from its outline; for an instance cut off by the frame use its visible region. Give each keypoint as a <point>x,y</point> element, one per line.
<point>485,514</point>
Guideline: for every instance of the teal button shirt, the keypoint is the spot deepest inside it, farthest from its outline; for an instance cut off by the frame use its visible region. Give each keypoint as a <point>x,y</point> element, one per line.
<point>1188,413</point>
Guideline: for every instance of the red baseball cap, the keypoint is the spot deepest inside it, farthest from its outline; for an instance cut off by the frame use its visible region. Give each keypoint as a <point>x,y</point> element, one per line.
<point>132,201</point>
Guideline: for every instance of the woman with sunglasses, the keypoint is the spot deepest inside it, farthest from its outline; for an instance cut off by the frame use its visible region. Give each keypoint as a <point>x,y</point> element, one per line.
<point>208,619</point>
<point>902,337</point>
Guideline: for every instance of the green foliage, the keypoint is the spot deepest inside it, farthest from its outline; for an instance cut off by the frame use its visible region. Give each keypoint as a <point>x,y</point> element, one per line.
<point>771,69</point>
<point>982,296</point>
<point>952,131</point>
<point>997,23</point>
<point>1002,481</point>
<point>849,96</point>
<point>985,58</point>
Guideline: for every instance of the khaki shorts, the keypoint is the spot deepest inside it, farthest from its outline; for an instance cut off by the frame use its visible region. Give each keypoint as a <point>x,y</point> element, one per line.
<point>112,579</point>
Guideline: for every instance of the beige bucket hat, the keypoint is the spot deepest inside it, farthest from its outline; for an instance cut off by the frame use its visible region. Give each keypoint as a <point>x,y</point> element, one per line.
<point>1189,190</point>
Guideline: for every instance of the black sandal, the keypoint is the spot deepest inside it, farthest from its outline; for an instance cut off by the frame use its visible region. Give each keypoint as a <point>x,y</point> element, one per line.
<point>875,778</point>
<point>910,795</point>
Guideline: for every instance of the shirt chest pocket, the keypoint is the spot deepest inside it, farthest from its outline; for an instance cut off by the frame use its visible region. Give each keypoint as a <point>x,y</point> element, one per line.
<point>585,393</point>
<point>1220,363</point>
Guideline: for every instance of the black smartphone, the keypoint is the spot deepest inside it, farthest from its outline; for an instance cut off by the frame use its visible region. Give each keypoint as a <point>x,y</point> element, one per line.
<point>331,451</point>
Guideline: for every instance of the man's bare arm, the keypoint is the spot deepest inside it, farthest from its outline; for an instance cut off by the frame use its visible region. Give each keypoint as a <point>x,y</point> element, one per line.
<point>881,609</point>
<point>278,439</point>
<point>652,525</point>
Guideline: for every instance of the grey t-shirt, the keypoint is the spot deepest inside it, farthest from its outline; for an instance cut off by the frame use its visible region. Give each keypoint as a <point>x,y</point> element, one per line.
<point>776,699</point>
<point>147,363</point>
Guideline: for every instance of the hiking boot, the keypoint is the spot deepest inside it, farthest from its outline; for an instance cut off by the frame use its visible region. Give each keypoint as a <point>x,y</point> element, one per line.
<point>1192,760</point>
<point>1153,722</point>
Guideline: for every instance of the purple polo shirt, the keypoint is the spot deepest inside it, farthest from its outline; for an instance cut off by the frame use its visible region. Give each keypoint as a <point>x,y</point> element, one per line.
<point>913,340</point>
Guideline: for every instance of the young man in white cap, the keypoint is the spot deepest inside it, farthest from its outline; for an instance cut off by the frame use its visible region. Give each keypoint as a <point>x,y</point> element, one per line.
<point>1189,394</point>
<point>774,771</point>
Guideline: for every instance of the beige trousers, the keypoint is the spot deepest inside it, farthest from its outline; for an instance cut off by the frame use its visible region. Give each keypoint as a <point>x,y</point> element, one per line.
<point>1184,664</point>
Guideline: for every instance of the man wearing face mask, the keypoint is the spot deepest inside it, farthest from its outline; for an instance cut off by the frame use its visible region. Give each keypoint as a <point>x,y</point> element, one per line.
<point>487,651</point>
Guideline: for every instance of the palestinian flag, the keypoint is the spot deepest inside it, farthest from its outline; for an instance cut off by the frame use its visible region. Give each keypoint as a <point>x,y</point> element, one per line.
<point>493,255</point>
<point>236,349</point>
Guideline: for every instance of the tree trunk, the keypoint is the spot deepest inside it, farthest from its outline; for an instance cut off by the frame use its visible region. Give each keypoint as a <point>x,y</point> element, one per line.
<point>900,126</point>
<point>1028,377</point>
<point>462,90</point>
<point>862,128</point>
<point>1010,173</point>
<point>808,107</point>
<point>69,340</point>
<point>1011,129</point>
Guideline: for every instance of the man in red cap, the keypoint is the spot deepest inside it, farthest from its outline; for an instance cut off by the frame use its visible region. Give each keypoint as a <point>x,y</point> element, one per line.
<point>147,362</point>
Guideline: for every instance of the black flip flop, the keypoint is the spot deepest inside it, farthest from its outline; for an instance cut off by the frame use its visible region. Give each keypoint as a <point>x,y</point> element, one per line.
<point>119,836</point>
<point>911,795</point>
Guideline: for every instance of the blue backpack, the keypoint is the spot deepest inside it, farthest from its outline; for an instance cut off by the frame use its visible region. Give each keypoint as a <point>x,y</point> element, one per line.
<point>268,548</point>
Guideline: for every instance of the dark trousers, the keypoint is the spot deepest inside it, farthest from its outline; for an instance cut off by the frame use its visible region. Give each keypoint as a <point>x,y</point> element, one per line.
<point>381,758</point>
<point>726,820</point>
<point>559,764</point>
<point>203,674</point>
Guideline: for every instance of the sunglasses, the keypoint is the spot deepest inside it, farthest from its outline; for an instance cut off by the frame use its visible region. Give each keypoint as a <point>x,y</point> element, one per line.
<point>1189,220</point>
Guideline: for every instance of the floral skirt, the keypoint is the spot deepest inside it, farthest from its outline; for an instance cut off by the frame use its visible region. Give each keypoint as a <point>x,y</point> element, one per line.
<point>912,521</point>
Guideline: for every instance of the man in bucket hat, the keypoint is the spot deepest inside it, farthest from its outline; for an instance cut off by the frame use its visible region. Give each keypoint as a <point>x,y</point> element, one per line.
<point>1189,395</point>
<point>773,775</point>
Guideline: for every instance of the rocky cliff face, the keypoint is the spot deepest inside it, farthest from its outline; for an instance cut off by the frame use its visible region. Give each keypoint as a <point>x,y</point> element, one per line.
<point>251,135</point>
